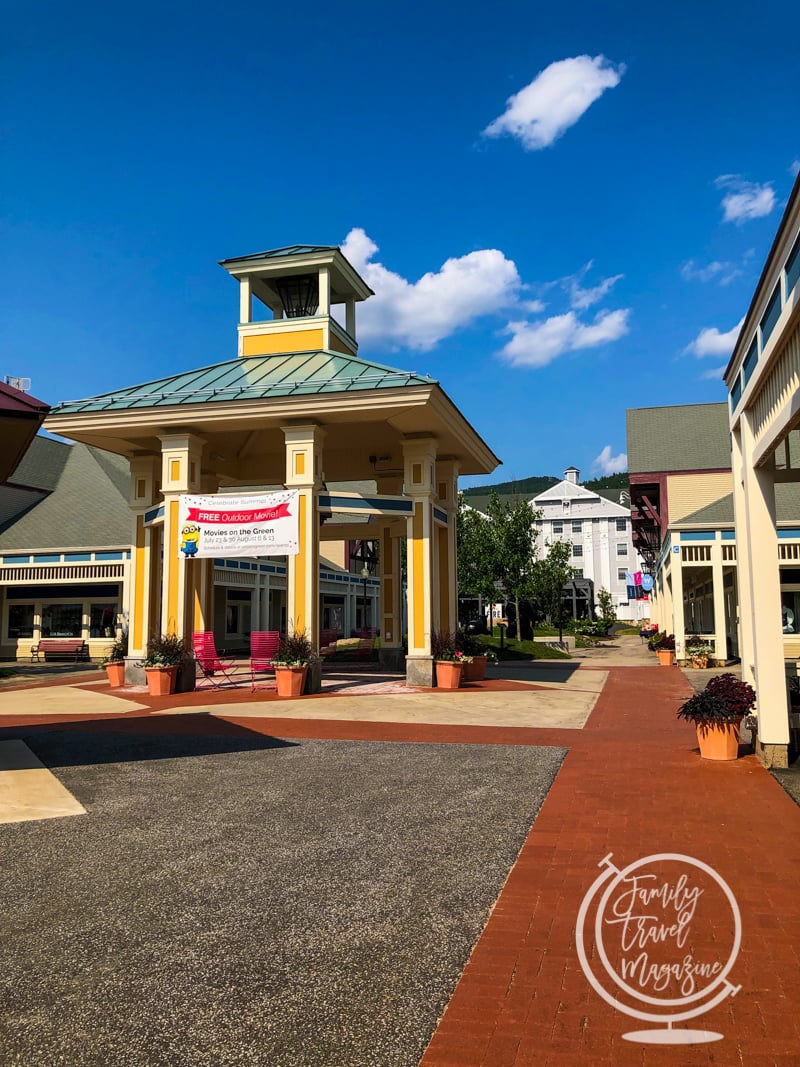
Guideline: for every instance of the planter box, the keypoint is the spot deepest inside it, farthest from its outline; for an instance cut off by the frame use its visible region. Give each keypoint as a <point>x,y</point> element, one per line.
<point>448,674</point>
<point>161,680</point>
<point>290,681</point>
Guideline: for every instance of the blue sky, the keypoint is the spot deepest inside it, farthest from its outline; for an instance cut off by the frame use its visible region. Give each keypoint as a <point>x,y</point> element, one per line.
<point>563,212</point>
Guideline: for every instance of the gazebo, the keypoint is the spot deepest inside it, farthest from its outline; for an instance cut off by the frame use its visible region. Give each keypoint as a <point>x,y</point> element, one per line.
<point>297,408</point>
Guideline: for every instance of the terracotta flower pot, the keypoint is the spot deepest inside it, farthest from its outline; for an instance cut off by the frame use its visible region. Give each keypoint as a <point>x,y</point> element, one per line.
<point>475,671</point>
<point>116,673</point>
<point>665,657</point>
<point>448,673</point>
<point>291,681</point>
<point>719,740</point>
<point>161,680</point>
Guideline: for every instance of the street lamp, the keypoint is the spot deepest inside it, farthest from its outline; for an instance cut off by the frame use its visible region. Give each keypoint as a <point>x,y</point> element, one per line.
<point>365,575</point>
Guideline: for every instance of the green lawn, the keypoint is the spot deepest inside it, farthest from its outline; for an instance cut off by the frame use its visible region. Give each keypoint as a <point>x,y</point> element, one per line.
<point>520,649</point>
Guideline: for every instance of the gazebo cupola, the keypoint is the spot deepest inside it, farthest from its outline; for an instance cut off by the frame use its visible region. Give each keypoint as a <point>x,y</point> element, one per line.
<point>299,286</point>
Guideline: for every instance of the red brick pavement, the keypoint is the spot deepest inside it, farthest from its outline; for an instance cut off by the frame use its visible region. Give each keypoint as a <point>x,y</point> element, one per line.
<point>632,784</point>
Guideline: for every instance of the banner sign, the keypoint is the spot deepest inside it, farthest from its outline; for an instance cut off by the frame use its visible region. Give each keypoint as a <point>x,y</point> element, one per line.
<point>265,524</point>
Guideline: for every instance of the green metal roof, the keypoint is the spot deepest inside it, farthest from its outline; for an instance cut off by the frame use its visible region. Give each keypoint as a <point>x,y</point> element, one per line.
<point>680,437</point>
<point>277,253</point>
<point>254,378</point>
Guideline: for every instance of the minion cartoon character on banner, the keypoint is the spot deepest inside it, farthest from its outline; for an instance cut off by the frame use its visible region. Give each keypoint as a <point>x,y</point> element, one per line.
<point>190,539</point>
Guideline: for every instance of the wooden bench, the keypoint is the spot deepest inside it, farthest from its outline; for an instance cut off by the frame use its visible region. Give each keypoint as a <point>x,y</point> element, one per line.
<point>48,648</point>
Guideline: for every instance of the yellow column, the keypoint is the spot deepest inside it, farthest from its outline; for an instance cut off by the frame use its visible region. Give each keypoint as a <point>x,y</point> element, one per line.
<point>391,609</point>
<point>180,473</point>
<point>419,457</point>
<point>760,569</point>
<point>143,497</point>
<point>446,574</point>
<point>304,473</point>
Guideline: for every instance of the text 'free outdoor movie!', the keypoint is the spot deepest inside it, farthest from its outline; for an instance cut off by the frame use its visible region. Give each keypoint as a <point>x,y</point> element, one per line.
<point>263,524</point>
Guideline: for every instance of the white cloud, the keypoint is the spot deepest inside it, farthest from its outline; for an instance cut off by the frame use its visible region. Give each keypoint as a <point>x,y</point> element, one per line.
<point>794,169</point>
<point>581,298</point>
<point>556,98</point>
<point>723,272</point>
<point>714,374</point>
<point>745,200</point>
<point>535,344</point>
<point>710,342</point>
<point>422,313</point>
<point>605,463</point>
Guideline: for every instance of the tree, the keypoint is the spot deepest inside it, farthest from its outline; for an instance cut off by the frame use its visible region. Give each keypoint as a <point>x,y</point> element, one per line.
<point>550,575</point>
<point>605,602</point>
<point>514,534</point>
<point>474,553</point>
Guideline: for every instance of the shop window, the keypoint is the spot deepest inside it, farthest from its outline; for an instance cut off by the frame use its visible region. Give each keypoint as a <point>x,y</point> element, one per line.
<point>102,620</point>
<point>790,611</point>
<point>232,619</point>
<point>20,620</point>
<point>62,620</point>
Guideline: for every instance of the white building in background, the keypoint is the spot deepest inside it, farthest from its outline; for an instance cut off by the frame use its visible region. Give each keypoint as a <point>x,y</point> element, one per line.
<point>599,531</point>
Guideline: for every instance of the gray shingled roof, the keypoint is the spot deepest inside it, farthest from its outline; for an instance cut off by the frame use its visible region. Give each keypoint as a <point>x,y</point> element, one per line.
<point>42,465</point>
<point>720,513</point>
<point>680,437</point>
<point>87,507</point>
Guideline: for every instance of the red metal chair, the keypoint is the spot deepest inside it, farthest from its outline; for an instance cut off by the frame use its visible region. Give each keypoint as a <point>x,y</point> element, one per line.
<point>209,661</point>
<point>263,650</point>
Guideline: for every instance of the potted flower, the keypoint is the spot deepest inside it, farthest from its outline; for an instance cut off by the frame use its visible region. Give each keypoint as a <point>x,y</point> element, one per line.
<point>166,654</point>
<point>717,713</point>
<point>665,648</point>
<point>295,656</point>
<point>698,651</point>
<point>474,657</point>
<point>114,662</point>
<point>448,658</point>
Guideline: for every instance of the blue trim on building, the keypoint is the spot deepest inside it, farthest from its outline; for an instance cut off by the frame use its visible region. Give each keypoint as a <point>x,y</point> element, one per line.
<point>102,556</point>
<point>698,535</point>
<point>154,513</point>
<point>440,516</point>
<point>790,534</point>
<point>77,557</point>
<point>50,558</point>
<point>16,559</point>
<point>728,535</point>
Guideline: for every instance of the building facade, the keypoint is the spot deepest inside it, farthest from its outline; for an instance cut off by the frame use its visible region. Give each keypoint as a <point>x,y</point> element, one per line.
<point>599,531</point>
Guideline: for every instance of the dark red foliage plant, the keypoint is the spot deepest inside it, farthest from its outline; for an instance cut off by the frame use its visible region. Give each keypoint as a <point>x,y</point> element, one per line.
<point>738,695</point>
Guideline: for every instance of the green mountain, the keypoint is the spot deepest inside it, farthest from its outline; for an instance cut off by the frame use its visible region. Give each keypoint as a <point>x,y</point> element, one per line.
<point>609,486</point>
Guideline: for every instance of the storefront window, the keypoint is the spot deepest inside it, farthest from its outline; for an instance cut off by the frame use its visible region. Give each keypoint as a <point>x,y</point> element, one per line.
<point>790,611</point>
<point>62,620</point>
<point>20,620</point>
<point>102,618</point>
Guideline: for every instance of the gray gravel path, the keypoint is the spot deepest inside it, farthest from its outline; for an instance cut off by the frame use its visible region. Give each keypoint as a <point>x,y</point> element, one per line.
<point>226,903</point>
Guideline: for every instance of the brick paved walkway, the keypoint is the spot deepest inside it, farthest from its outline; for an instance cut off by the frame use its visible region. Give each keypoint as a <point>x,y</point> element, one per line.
<point>632,784</point>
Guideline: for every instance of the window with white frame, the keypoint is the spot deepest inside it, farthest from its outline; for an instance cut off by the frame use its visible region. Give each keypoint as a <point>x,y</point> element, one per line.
<point>622,549</point>
<point>622,525</point>
<point>558,526</point>
<point>577,551</point>
<point>577,526</point>
<point>621,574</point>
